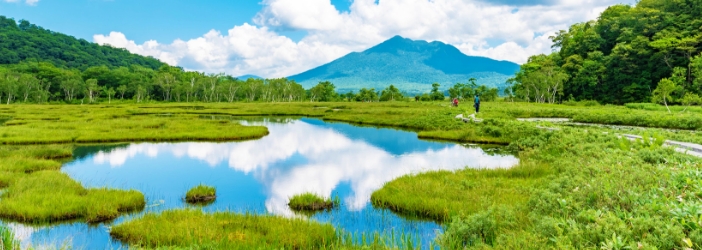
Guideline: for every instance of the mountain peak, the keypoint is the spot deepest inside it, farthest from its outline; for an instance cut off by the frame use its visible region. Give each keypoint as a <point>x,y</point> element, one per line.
<point>409,64</point>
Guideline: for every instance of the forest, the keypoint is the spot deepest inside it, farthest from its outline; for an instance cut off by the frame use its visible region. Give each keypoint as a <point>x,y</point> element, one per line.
<point>622,57</point>
<point>40,66</point>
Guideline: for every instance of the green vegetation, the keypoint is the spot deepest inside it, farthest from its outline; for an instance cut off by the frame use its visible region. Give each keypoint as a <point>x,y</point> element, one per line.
<point>7,239</point>
<point>37,192</point>
<point>311,202</point>
<point>621,57</point>
<point>201,194</point>
<point>24,41</point>
<point>574,187</point>
<point>189,228</point>
<point>103,124</point>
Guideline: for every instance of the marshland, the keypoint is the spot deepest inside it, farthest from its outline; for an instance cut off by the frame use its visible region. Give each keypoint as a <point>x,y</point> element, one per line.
<point>434,192</point>
<point>408,144</point>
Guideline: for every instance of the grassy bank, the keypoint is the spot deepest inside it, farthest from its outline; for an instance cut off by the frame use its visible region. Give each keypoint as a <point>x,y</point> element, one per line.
<point>36,191</point>
<point>572,189</point>
<point>195,229</point>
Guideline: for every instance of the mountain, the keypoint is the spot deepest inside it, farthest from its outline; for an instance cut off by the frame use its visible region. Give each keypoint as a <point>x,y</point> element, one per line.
<point>410,65</point>
<point>246,77</point>
<point>24,41</point>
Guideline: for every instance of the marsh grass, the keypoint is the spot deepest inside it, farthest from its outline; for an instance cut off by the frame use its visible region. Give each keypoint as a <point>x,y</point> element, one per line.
<point>201,194</point>
<point>574,188</point>
<point>441,195</point>
<point>194,229</point>
<point>36,192</point>
<point>311,202</point>
<point>7,239</point>
<point>186,228</point>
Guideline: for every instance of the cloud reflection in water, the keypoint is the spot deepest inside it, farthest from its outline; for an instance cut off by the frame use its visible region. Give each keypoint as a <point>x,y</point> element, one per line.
<point>325,158</point>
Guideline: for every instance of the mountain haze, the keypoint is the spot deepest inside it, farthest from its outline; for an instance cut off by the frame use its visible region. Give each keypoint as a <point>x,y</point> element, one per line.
<point>410,65</point>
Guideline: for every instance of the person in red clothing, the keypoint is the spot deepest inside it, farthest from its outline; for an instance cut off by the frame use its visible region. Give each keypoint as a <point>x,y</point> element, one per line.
<point>455,102</point>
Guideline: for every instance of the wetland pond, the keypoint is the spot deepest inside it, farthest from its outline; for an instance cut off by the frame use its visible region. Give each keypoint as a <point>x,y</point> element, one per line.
<point>299,155</point>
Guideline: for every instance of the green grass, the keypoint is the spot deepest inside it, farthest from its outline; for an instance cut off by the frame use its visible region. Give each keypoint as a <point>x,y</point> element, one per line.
<point>37,192</point>
<point>574,188</point>
<point>444,194</point>
<point>7,239</point>
<point>310,202</point>
<point>201,194</point>
<point>186,228</point>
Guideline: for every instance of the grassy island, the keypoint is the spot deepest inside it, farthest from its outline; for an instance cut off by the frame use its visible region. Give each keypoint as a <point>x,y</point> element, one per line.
<point>201,194</point>
<point>311,202</point>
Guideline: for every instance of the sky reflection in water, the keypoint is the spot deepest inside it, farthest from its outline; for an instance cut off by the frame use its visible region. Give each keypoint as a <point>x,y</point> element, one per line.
<point>305,155</point>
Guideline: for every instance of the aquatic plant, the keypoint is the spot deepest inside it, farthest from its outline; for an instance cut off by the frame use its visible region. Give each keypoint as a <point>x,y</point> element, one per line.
<point>311,202</point>
<point>201,194</point>
<point>7,239</point>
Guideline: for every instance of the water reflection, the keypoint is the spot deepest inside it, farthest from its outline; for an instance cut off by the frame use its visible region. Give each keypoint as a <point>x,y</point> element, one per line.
<point>302,157</point>
<point>299,155</point>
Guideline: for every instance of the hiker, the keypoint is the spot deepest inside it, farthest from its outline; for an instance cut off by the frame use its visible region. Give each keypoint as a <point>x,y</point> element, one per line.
<point>455,102</point>
<point>477,104</point>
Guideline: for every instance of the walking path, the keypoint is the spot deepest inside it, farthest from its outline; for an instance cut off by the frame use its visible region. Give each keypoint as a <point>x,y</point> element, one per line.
<point>685,147</point>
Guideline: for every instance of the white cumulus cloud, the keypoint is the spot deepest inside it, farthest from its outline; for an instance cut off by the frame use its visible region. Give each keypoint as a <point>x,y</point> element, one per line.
<point>476,27</point>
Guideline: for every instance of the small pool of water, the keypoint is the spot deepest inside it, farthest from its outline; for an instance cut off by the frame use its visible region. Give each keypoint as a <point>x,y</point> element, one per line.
<point>299,155</point>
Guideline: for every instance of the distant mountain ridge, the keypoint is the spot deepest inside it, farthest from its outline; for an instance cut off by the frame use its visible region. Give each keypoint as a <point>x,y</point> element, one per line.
<point>410,65</point>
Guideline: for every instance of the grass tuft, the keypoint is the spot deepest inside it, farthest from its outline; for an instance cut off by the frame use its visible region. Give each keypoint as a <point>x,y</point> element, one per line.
<point>201,194</point>
<point>311,202</point>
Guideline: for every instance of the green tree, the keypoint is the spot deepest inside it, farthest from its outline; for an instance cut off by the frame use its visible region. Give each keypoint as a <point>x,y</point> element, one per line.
<point>121,90</point>
<point>323,92</point>
<point>391,93</point>
<point>436,95</point>
<point>662,93</point>
<point>92,89</point>
<point>690,99</point>
<point>109,93</point>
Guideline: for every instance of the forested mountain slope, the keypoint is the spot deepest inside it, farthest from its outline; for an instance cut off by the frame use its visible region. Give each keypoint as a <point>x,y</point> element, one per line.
<point>622,56</point>
<point>22,41</point>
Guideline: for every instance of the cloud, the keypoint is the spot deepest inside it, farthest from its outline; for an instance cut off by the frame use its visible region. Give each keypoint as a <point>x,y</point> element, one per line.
<point>521,27</point>
<point>28,2</point>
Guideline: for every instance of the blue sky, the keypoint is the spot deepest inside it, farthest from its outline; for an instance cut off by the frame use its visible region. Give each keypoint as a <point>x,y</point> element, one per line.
<point>141,20</point>
<point>277,38</point>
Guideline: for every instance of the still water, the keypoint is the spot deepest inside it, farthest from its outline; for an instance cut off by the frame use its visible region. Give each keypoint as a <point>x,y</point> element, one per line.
<point>299,155</point>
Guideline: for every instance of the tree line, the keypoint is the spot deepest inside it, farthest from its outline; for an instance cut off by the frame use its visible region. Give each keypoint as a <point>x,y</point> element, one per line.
<point>41,82</point>
<point>622,57</point>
